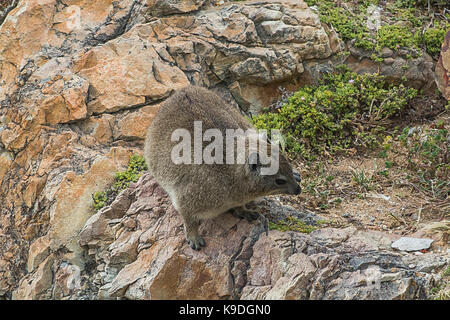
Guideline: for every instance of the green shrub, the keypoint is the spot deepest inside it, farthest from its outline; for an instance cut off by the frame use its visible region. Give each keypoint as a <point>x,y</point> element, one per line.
<point>350,24</point>
<point>395,37</point>
<point>344,110</point>
<point>434,37</point>
<point>348,28</point>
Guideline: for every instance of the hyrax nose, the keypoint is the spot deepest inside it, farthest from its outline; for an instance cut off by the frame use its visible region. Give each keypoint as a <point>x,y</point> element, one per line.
<point>297,176</point>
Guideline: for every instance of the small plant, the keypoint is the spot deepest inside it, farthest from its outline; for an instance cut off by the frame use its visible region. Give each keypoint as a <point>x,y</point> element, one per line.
<point>376,58</point>
<point>428,158</point>
<point>100,199</point>
<point>362,179</point>
<point>136,167</point>
<point>446,272</point>
<point>122,180</point>
<point>441,290</point>
<point>411,3</point>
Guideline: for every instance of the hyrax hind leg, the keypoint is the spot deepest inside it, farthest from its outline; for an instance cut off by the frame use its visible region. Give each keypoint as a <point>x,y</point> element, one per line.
<point>243,213</point>
<point>191,225</point>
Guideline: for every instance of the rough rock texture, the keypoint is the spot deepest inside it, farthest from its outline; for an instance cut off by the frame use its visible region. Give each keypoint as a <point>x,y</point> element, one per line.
<point>77,93</point>
<point>5,7</point>
<point>412,244</point>
<point>417,70</point>
<point>443,68</point>
<point>336,264</point>
<point>135,249</point>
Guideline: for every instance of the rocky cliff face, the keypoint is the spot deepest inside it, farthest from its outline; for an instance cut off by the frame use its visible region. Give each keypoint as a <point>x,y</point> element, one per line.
<point>76,95</point>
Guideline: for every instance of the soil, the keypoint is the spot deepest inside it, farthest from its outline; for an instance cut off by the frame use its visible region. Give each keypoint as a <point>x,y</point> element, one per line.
<point>389,203</point>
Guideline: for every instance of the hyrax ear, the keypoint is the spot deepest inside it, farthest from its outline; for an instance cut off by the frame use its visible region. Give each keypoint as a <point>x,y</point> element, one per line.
<point>254,162</point>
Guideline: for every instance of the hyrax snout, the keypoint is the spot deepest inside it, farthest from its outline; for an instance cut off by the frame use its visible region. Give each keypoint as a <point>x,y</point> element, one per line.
<point>207,157</point>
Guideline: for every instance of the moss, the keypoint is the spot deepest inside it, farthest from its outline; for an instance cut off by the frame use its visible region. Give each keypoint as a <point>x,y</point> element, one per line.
<point>122,179</point>
<point>344,110</point>
<point>291,224</point>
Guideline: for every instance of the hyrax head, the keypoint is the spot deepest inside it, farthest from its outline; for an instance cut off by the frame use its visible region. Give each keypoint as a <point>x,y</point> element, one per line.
<point>275,177</point>
<point>268,172</point>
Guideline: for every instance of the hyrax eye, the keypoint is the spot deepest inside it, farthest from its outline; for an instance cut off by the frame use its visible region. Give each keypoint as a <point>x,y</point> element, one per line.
<point>280,182</point>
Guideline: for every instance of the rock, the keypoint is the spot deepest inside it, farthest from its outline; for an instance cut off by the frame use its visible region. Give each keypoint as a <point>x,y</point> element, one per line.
<point>336,44</point>
<point>137,250</point>
<point>419,72</point>
<point>67,281</point>
<point>39,250</point>
<point>125,249</point>
<point>442,72</point>
<point>133,124</point>
<point>67,219</point>
<point>373,21</point>
<point>386,52</point>
<point>95,230</point>
<point>137,70</point>
<point>243,260</point>
<point>168,254</point>
<point>36,285</point>
<point>438,230</point>
<point>158,8</point>
<point>297,267</point>
<point>5,7</point>
<point>412,244</point>
<point>5,161</point>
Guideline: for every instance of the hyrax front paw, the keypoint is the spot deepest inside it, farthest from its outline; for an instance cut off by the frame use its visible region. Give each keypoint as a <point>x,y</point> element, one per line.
<point>196,243</point>
<point>243,213</point>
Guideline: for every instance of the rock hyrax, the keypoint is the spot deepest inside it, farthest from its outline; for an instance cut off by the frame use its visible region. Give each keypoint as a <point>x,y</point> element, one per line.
<point>204,191</point>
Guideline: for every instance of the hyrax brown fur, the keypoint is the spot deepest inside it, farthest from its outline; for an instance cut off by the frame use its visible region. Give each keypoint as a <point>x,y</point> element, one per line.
<point>204,191</point>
